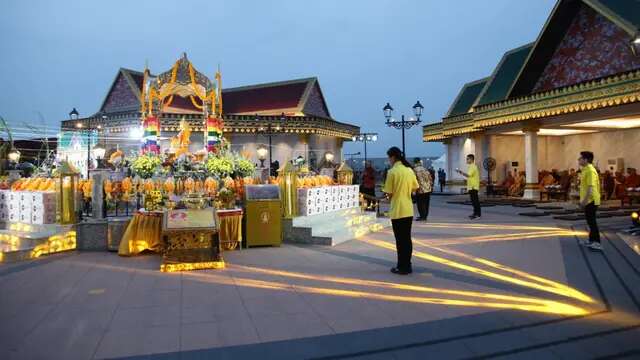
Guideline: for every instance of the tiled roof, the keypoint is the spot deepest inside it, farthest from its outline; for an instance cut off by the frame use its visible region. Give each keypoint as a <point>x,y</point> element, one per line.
<point>504,75</point>
<point>467,97</point>
<point>300,96</point>
<point>625,14</point>
<point>285,96</point>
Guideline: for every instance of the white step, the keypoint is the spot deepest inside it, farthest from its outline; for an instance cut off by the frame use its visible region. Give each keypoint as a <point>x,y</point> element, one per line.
<point>26,241</point>
<point>340,226</point>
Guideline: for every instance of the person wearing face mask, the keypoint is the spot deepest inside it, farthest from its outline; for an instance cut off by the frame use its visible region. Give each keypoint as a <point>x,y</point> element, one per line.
<point>399,184</point>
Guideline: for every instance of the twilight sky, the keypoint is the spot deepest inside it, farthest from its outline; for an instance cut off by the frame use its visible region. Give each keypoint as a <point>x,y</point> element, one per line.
<point>61,54</point>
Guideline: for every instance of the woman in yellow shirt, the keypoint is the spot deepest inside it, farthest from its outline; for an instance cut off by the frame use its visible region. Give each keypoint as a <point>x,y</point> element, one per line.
<point>400,183</point>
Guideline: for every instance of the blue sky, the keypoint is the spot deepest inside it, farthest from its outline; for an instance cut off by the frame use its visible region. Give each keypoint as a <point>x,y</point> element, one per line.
<point>57,55</point>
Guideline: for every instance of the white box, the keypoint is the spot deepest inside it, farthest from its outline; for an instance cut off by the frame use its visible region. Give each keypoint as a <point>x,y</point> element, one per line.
<point>14,216</point>
<point>4,195</point>
<point>4,216</point>
<point>43,210</point>
<point>14,206</point>
<point>25,218</point>
<point>14,195</point>
<point>26,197</point>
<point>42,197</point>
<point>49,218</point>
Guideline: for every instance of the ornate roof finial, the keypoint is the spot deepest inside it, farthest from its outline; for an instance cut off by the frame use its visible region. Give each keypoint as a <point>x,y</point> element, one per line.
<point>184,55</point>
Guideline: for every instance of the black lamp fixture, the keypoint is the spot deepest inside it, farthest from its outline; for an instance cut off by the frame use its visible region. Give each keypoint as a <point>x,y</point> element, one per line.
<point>73,113</point>
<point>403,124</point>
<point>365,138</point>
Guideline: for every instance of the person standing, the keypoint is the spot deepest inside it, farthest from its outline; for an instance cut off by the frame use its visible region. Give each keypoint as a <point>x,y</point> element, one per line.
<point>398,186</point>
<point>368,186</point>
<point>473,185</point>
<point>442,179</point>
<point>590,198</point>
<point>423,194</point>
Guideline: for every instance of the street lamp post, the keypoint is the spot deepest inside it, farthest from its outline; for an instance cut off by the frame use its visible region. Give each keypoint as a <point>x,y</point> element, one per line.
<point>269,131</point>
<point>351,155</point>
<point>403,124</point>
<point>365,138</point>
<point>89,129</point>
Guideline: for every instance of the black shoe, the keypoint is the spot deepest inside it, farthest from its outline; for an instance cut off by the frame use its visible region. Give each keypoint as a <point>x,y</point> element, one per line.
<point>473,217</point>
<point>395,270</point>
<point>421,219</point>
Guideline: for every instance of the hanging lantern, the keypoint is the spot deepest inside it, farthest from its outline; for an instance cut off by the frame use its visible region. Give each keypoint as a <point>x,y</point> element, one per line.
<point>345,174</point>
<point>69,176</point>
<point>289,191</point>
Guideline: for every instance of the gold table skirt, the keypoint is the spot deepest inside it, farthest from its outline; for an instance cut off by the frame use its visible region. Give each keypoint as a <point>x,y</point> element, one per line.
<point>230,228</point>
<point>143,233</point>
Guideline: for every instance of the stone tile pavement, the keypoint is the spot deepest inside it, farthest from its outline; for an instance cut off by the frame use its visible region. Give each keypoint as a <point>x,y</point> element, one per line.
<point>504,287</point>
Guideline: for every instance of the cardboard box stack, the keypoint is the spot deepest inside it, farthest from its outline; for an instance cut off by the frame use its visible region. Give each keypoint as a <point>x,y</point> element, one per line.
<point>4,205</point>
<point>43,207</point>
<point>324,199</point>
<point>38,207</point>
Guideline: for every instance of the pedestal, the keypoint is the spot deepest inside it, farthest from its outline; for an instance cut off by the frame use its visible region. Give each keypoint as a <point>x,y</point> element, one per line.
<point>191,250</point>
<point>97,195</point>
<point>531,192</point>
<point>92,235</point>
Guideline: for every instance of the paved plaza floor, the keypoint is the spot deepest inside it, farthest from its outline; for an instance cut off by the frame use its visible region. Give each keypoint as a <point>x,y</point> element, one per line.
<point>503,287</point>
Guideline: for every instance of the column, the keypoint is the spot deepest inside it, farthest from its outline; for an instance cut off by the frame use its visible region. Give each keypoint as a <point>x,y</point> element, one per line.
<point>468,147</point>
<point>448,166</point>
<point>531,190</point>
<point>97,196</point>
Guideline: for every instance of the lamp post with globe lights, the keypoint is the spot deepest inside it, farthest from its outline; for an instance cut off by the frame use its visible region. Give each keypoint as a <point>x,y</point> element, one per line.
<point>365,138</point>
<point>403,124</point>
<point>268,131</point>
<point>88,126</point>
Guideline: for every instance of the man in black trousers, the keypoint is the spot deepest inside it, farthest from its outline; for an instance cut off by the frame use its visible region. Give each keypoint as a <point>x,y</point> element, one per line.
<point>473,185</point>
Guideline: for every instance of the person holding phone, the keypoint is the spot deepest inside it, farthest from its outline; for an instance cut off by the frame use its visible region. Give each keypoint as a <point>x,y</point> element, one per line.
<point>590,198</point>
<point>473,185</point>
<point>400,183</point>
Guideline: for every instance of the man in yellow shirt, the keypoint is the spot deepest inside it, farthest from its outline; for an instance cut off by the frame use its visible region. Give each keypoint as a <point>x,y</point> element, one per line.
<point>590,197</point>
<point>473,185</point>
<point>399,184</point>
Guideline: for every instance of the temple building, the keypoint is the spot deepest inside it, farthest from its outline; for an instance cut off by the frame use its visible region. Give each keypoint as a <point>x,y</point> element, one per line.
<point>575,88</point>
<point>292,116</point>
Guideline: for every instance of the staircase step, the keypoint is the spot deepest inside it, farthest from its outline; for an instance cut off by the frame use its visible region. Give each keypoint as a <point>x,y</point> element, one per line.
<point>23,241</point>
<point>334,228</point>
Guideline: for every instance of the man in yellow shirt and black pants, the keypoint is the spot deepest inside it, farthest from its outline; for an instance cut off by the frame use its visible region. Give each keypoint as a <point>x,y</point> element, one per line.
<point>590,197</point>
<point>399,184</point>
<point>473,185</point>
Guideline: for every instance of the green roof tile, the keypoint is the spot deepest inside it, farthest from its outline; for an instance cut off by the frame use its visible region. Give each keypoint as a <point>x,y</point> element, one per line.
<point>504,75</point>
<point>467,97</point>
